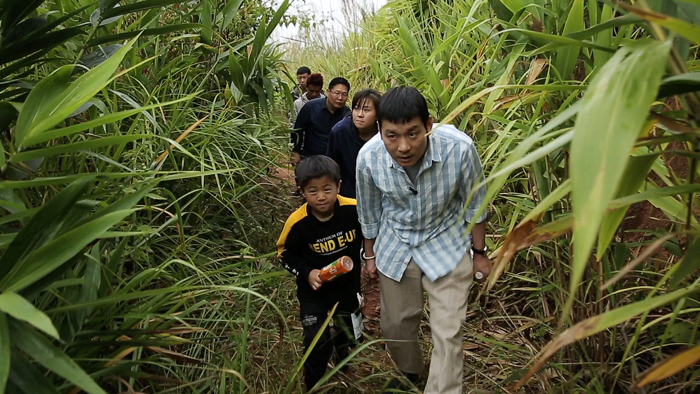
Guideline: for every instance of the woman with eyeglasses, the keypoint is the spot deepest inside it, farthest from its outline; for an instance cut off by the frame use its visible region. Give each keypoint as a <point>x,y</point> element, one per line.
<point>350,134</point>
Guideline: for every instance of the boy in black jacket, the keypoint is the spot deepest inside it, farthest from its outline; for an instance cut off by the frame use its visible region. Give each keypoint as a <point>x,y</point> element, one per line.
<point>320,232</point>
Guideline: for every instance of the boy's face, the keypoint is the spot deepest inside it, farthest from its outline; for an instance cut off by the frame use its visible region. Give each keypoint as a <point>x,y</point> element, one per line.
<point>321,194</point>
<point>406,142</point>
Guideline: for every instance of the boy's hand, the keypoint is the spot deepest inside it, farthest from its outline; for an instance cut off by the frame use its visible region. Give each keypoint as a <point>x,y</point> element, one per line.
<point>315,279</point>
<point>482,265</point>
<point>371,268</point>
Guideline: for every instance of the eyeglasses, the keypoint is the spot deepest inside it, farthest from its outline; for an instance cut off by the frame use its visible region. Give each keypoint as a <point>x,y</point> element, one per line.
<point>338,94</point>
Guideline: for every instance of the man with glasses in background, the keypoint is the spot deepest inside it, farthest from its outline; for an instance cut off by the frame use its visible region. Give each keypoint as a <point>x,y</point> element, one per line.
<point>317,118</point>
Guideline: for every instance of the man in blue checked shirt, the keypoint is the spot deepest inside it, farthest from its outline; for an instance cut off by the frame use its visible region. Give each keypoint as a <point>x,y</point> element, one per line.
<point>413,179</point>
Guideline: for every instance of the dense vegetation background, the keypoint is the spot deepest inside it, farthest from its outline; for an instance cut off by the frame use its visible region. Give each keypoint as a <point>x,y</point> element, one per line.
<point>140,199</point>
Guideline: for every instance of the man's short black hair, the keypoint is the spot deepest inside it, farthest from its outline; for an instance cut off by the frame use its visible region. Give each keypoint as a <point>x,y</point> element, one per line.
<point>401,104</point>
<point>314,167</point>
<point>339,81</point>
<point>303,70</point>
<point>366,94</point>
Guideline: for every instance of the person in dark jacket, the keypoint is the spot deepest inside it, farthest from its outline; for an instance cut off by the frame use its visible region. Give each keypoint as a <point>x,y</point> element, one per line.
<point>350,134</point>
<point>317,118</point>
<point>323,230</point>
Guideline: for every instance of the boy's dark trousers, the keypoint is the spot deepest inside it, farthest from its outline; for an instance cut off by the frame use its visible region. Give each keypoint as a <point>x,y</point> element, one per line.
<point>314,307</point>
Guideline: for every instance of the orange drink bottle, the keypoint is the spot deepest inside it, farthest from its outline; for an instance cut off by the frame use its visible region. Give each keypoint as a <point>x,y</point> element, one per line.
<point>336,268</point>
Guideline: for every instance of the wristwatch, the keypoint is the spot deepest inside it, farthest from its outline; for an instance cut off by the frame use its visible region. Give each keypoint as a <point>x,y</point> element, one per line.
<point>480,251</point>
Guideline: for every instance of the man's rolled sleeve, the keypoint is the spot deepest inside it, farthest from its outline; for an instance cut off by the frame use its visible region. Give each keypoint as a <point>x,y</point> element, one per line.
<point>369,201</point>
<point>473,174</point>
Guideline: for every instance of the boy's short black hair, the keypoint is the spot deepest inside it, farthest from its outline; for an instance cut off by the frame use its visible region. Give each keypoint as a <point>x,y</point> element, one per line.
<point>366,94</point>
<point>401,104</point>
<point>339,81</point>
<point>314,167</point>
<point>303,70</point>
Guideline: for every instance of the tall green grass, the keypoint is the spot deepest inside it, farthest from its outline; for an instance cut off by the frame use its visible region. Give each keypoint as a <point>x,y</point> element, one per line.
<point>138,209</point>
<point>579,109</point>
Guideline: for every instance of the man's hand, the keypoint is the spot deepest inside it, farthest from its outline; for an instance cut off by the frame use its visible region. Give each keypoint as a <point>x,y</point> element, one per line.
<point>371,268</point>
<point>482,264</point>
<point>315,279</point>
<point>296,159</point>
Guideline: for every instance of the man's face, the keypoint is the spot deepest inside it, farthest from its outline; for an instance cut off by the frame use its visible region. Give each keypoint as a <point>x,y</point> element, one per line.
<point>407,142</point>
<point>338,96</point>
<point>313,92</point>
<point>301,78</point>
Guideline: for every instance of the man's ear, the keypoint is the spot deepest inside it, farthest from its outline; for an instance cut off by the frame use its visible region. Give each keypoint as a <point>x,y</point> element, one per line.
<point>429,124</point>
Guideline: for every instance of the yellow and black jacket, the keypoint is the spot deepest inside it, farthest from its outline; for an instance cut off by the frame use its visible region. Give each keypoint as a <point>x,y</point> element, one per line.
<point>307,243</point>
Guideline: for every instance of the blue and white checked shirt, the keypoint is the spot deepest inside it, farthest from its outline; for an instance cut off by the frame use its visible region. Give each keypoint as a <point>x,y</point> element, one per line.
<point>428,226</point>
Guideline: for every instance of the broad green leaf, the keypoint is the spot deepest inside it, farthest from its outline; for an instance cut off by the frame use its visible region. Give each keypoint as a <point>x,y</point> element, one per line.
<point>276,18</point>
<point>99,55</point>
<point>43,352</point>
<point>567,56</point>
<point>40,99</point>
<point>604,38</point>
<point>77,93</point>
<point>5,352</point>
<point>50,256</point>
<point>206,18</point>
<point>101,121</point>
<point>230,10</point>
<point>138,6</point>
<point>682,28</point>
<point>602,322</point>
<point>156,31</point>
<point>514,5</point>
<point>689,263</point>
<point>14,11</point>
<point>519,156</point>
<point>43,225</point>
<point>653,193</point>
<point>25,377</point>
<point>76,146</point>
<point>16,306</point>
<point>679,84</point>
<point>613,111</point>
<point>635,174</point>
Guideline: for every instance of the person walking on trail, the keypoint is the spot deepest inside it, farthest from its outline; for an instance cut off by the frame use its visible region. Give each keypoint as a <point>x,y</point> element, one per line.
<point>314,90</point>
<point>324,229</point>
<point>317,118</point>
<point>303,74</point>
<point>350,134</point>
<point>413,180</point>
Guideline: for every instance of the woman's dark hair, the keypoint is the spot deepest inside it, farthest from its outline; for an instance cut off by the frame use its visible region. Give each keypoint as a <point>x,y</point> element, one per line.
<point>339,81</point>
<point>303,70</point>
<point>366,94</point>
<point>314,167</point>
<point>315,79</point>
<point>401,104</point>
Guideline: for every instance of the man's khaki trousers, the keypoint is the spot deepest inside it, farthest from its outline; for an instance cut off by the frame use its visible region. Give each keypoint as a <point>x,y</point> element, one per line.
<point>402,306</point>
